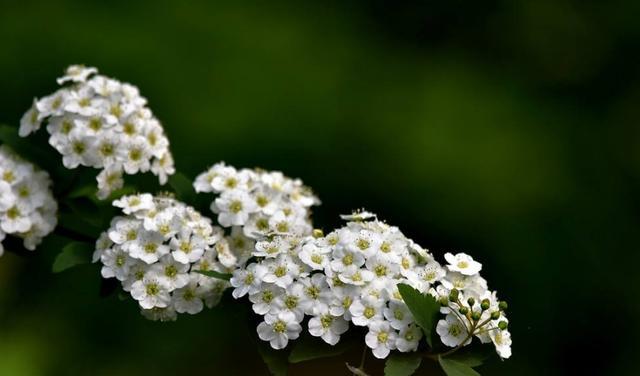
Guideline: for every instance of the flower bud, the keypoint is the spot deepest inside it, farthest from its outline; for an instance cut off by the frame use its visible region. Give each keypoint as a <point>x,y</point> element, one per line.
<point>464,310</point>
<point>317,233</point>
<point>485,304</point>
<point>476,316</point>
<point>444,301</point>
<point>503,325</point>
<point>471,302</point>
<point>453,295</point>
<point>495,315</point>
<point>503,305</point>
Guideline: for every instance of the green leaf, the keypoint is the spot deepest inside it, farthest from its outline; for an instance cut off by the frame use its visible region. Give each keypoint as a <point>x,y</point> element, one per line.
<point>402,364</point>
<point>214,274</point>
<point>312,348</point>
<point>182,186</point>
<point>9,135</point>
<point>425,309</point>
<point>86,209</point>
<point>87,191</point>
<point>473,356</point>
<point>276,360</point>
<point>456,368</point>
<point>74,253</point>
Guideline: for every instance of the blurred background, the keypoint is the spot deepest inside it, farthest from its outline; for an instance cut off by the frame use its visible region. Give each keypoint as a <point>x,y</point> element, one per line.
<point>509,130</point>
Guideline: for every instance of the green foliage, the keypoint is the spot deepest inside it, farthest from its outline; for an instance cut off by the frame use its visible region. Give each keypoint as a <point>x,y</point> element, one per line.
<point>424,308</point>
<point>456,368</point>
<point>74,253</point>
<point>308,348</point>
<point>399,364</point>
<point>214,274</point>
<point>473,356</point>
<point>182,187</point>
<point>275,360</point>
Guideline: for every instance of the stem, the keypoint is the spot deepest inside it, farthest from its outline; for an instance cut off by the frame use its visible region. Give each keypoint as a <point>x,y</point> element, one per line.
<point>364,356</point>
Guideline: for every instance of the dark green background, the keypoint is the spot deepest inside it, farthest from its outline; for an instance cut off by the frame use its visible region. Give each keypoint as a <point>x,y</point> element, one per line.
<point>506,129</point>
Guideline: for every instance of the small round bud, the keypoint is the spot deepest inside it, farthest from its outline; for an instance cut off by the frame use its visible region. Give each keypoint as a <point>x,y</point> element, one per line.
<point>444,301</point>
<point>464,310</point>
<point>503,305</point>
<point>453,295</point>
<point>495,315</point>
<point>476,316</point>
<point>485,304</point>
<point>317,233</point>
<point>503,325</point>
<point>471,302</point>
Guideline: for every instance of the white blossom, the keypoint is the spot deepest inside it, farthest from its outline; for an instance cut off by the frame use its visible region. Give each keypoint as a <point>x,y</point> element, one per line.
<point>100,122</point>
<point>28,209</point>
<point>452,331</point>
<point>261,202</point>
<point>352,274</point>
<point>279,329</point>
<point>156,249</point>
<point>462,263</point>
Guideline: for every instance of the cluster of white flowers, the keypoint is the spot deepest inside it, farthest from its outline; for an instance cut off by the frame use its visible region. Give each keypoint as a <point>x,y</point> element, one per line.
<point>156,249</point>
<point>103,123</point>
<point>258,202</point>
<point>351,275</point>
<point>27,207</point>
<point>470,308</point>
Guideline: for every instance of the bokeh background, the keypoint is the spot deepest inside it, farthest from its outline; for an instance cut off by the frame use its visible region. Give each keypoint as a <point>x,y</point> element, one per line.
<point>507,129</point>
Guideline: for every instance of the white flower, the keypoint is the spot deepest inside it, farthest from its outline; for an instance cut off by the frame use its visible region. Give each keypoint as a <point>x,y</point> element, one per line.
<point>317,295</point>
<point>234,208</point>
<point>352,275</point>
<point>279,329</point>
<point>160,314</point>
<point>27,206</point>
<point>76,73</point>
<point>150,293</point>
<point>315,257</point>
<point>452,331</point>
<point>398,315</point>
<point>280,272</point>
<point>116,263</point>
<point>188,247</point>
<point>327,327</point>
<point>155,249</point>
<point>291,301</point>
<point>409,338</point>
<point>247,281</point>
<point>265,300</point>
<point>381,339</point>
<point>187,298</point>
<point>366,311</point>
<point>149,248</point>
<point>462,263</point>
<point>261,202</point>
<point>30,121</point>
<point>171,273</point>
<point>502,340</point>
<point>134,203</point>
<point>358,216</point>
<point>101,123</point>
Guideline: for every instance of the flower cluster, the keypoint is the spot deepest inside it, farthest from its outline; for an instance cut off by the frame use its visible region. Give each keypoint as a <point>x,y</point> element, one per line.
<point>102,123</point>
<point>258,202</point>
<point>156,250</point>
<point>351,275</point>
<point>27,207</point>
<point>470,308</point>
